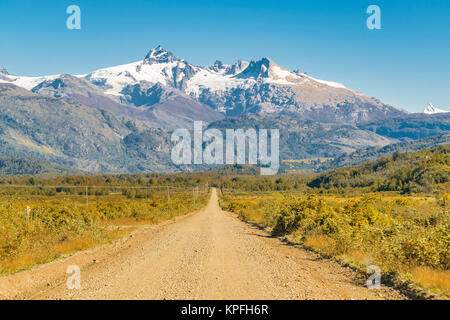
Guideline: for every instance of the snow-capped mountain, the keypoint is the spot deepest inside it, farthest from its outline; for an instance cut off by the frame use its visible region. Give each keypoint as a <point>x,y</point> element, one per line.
<point>160,86</point>
<point>3,70</point>
<point>430,109</point>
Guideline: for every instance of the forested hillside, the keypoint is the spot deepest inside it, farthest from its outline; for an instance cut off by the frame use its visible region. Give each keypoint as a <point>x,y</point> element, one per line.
<point>422,171</point>
<point>373,153</point>
<point>19,167</point>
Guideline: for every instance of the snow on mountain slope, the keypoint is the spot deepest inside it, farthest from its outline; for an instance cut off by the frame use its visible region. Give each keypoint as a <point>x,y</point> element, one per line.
<point>430,109</point>
<point>23,81</point>
<point>329,83</point>
<point>27,82</point>
<point>115,79</point>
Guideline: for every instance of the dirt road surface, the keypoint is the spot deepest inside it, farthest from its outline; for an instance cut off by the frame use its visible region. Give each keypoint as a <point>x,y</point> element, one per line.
<point>209,254</point>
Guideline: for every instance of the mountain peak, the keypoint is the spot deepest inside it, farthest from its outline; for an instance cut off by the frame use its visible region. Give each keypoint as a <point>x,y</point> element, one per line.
<point>3,70</point>
<point>219,65</point>
<point>238,67</point>
<point>430,109</point>
<point>258,68</point>
<point>160,55</point>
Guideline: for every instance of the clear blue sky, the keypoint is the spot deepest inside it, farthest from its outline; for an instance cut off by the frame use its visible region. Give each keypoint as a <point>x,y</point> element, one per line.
<point>406,64</point>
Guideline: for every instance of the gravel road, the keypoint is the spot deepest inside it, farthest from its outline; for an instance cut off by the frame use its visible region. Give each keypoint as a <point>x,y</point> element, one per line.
<point>209,254</point>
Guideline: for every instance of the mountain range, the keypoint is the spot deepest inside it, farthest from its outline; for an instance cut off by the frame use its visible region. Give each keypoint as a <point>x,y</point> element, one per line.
<point>170,92</point>
<point>119,119</point>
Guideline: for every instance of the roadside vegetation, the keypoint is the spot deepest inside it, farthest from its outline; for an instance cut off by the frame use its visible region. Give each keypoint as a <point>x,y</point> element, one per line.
<point>393,213</point>
<point>39,224</point>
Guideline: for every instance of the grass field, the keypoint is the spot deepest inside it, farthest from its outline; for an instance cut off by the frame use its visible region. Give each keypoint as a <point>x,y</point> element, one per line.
<point>38,225</point>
